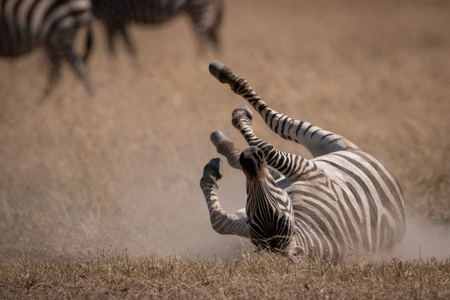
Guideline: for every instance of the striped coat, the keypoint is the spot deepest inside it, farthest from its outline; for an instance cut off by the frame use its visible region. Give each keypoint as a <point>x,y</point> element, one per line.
<point>53,24</point>
<point>343,201</point>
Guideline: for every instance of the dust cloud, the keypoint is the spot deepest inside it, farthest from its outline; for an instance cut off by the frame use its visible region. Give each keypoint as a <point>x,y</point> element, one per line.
<point>424,240</point>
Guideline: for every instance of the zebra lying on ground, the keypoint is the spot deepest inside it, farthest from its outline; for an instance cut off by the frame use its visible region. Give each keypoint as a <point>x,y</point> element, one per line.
<point>343,201</point>
<point>28,24</point>
<point>117,14</point>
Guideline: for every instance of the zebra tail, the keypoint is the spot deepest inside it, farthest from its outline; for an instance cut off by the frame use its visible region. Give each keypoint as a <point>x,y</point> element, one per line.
<point>89,43</point>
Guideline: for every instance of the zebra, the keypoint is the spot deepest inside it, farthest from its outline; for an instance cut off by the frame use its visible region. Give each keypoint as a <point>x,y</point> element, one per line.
<point>115,15</point>
<point>27,24</point>
<point>342,202</point>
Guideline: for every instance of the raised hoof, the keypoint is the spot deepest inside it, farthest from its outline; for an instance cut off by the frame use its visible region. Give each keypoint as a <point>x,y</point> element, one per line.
<point>217,70</point>
<point>217,137</point>
<point>217,167</point>
<point>243,109</point>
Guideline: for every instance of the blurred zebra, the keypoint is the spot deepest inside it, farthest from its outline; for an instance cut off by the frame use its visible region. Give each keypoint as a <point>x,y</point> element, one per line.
<point>343,201</point>
<point>53,24</point>
<point>206,17</point>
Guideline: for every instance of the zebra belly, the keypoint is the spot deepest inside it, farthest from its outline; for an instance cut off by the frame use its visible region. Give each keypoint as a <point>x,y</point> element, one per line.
<point>154,12</point>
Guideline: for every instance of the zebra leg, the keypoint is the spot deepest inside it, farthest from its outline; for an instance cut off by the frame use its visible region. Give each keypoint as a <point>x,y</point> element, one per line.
<point>55,75</point>
<point>218,19</point>
<point>221,221</point>
<point>55,56</point>
<point>128,40</point>
<point>110,30</point>
<point>292,166</point>
<point>206,33</point>
<point>315,139</point>
<point>201,35</point>
<point>208,30</point>
<point>227,148</point>
<point>79,67</point>
<point>88,43</point>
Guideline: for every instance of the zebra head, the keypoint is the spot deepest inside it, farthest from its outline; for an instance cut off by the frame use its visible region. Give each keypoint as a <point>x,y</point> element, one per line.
<point>253,163</point>
<point>268,206</point>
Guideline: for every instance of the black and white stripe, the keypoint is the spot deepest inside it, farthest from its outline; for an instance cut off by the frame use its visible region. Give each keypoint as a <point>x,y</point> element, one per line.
<point>53,24</point>
<point>340,202</point>
<point>116,15</point>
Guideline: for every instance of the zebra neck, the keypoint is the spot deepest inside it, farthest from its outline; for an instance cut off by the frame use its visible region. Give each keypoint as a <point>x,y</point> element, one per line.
<point>269,213</point>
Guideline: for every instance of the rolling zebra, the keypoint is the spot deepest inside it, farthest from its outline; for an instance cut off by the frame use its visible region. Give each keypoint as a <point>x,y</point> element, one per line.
<point>342,202</point>
<point>117,14</point>
<point>53,24</point>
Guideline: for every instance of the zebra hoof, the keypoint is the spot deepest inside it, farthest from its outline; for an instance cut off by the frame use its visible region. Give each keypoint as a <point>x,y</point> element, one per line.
<point>217,137</point>
<point>243,109</point>
<point>217,70</point>
<point>217,167</point>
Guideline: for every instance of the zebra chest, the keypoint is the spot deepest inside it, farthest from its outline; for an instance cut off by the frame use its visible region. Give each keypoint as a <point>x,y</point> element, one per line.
<point>271,231</point>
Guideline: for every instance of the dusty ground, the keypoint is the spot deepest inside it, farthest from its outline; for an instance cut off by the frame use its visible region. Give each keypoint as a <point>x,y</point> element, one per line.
<point>120,169</point>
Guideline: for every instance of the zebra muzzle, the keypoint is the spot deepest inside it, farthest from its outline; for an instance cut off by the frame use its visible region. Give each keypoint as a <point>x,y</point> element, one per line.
<point>252,161</point>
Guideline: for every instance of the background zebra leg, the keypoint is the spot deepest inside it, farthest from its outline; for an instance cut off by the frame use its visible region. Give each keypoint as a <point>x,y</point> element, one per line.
<point>79,68</point>
<point>207,32</point>
<point>88,43</point>
<point>55,71</point>
<point>212,29</point>
<point>128,41</point>
<point>201,33</point>
<point>110,30</point>
<point>221,221</point>
<point>292,166</point>
<point>227,148</point>
<point>315,139</point>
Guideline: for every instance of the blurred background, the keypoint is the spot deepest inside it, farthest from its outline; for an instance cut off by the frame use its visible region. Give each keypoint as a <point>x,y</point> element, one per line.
<point>120,169</point>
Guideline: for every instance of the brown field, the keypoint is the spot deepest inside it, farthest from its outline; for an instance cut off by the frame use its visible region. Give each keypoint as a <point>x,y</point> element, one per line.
<point>100,197</point>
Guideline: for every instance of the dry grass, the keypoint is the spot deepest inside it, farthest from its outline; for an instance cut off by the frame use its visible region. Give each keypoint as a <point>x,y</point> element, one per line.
<point>114,275</point>
<point>120,169</point>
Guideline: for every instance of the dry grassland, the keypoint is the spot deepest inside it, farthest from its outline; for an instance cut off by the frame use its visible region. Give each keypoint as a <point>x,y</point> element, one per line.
<point>84,178</point>
<point>114,275</point>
